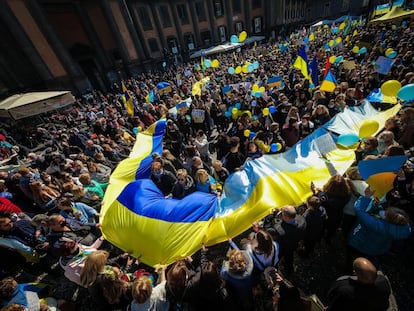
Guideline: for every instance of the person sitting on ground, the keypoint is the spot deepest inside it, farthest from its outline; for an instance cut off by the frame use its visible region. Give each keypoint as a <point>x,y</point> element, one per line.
<point>92,187</point>
<point>62,229</point>
<point>367,290</point>
<point>77,210</point>
<point>23,231</point>
<point>25,295</point>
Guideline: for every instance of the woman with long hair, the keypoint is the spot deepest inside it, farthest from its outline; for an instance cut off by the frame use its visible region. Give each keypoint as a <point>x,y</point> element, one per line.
<point>337,193</point>
<point>263,250</point>
<point>108,291</point>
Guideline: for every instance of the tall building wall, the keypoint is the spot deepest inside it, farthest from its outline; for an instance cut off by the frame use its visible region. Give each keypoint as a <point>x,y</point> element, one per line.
<point>80,45</point>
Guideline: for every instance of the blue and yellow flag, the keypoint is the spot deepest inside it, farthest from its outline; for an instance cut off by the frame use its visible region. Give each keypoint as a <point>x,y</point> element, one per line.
<point>275,82</point>
<point>381,173</point>
<point>315,71</point>
<point>329,83</point>
<point>301,63</point>
<point>129,105</point>
<point>226,90</point>
<point>137,218</point>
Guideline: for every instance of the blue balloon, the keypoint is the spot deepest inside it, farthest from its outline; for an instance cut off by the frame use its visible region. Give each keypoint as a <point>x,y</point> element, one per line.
<point>256,64</point>
<point>348,139</point>
<point>230,108</point>
<point>254,103</point>
<point>306,40</point>
<point>207,63</point>
<point>362,50</point>
<point>274,147</point>
<point>327,47</point>
<point>234,39</point>
<point>135,130</point>
<point>272,109</point>
<point>406,92</point>
<point>164,64</point>
<point>250,67</point>
<point>338,59</point>
<point>237,105</point>
<point>227,114</point>
<point>257,94</point>
<point>393,54</point>
<point>231,70</point>
<point>252,135</point>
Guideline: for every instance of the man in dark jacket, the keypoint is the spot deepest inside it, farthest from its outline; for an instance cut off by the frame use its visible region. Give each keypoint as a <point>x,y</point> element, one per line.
<point>162,178</point>
<point>367,290</point>
<point>287,232</point>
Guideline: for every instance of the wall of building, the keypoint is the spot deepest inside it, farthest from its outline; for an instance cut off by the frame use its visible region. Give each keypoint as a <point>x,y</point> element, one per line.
<point>79,45</point>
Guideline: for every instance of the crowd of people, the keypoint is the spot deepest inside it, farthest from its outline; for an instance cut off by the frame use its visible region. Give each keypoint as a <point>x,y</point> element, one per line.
<point>51,193</point>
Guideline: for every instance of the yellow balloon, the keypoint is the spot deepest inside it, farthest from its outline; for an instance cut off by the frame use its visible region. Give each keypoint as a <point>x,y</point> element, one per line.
<point>331,42</point>
<point>234,111</point>
<point>261,89</point>
<point>238,69</point>
<point>242,36</point>
<point>215,63</point>
<point>388,51</point>
<point>265,111</point>
<point>368,128</point>
<point>312,37</point>
<point>248,112</point>
<point>246,133</point>
<point>245,69</point>
<point>255,87</point>
<point>342,26</point>
<point>332,59</point>
<point>390,88</point>
<point>325,26</point>
<point>355,49</point>
<point>338,40</point>
<point>279,146</point>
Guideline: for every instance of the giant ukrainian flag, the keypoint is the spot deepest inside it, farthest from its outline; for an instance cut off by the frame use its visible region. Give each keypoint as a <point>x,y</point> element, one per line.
<point>138,219</point>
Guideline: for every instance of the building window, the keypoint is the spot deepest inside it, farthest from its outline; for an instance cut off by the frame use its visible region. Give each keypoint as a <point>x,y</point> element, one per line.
<point>238,27</point>
<point>144,18</point>
<point>218,8</point>
<point>189,41</point>
<point>345,5</point>
<point>256,4</point>
<point>236,5</point>
<point>182,14</point>
<point>326,9</point>
<point>200,11</point>
<point>222,33</point>
<point>165,16</point>
<point>172,44</point>
<point>206,37</point>
<point>153,45</point>
<point>257,24</point>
